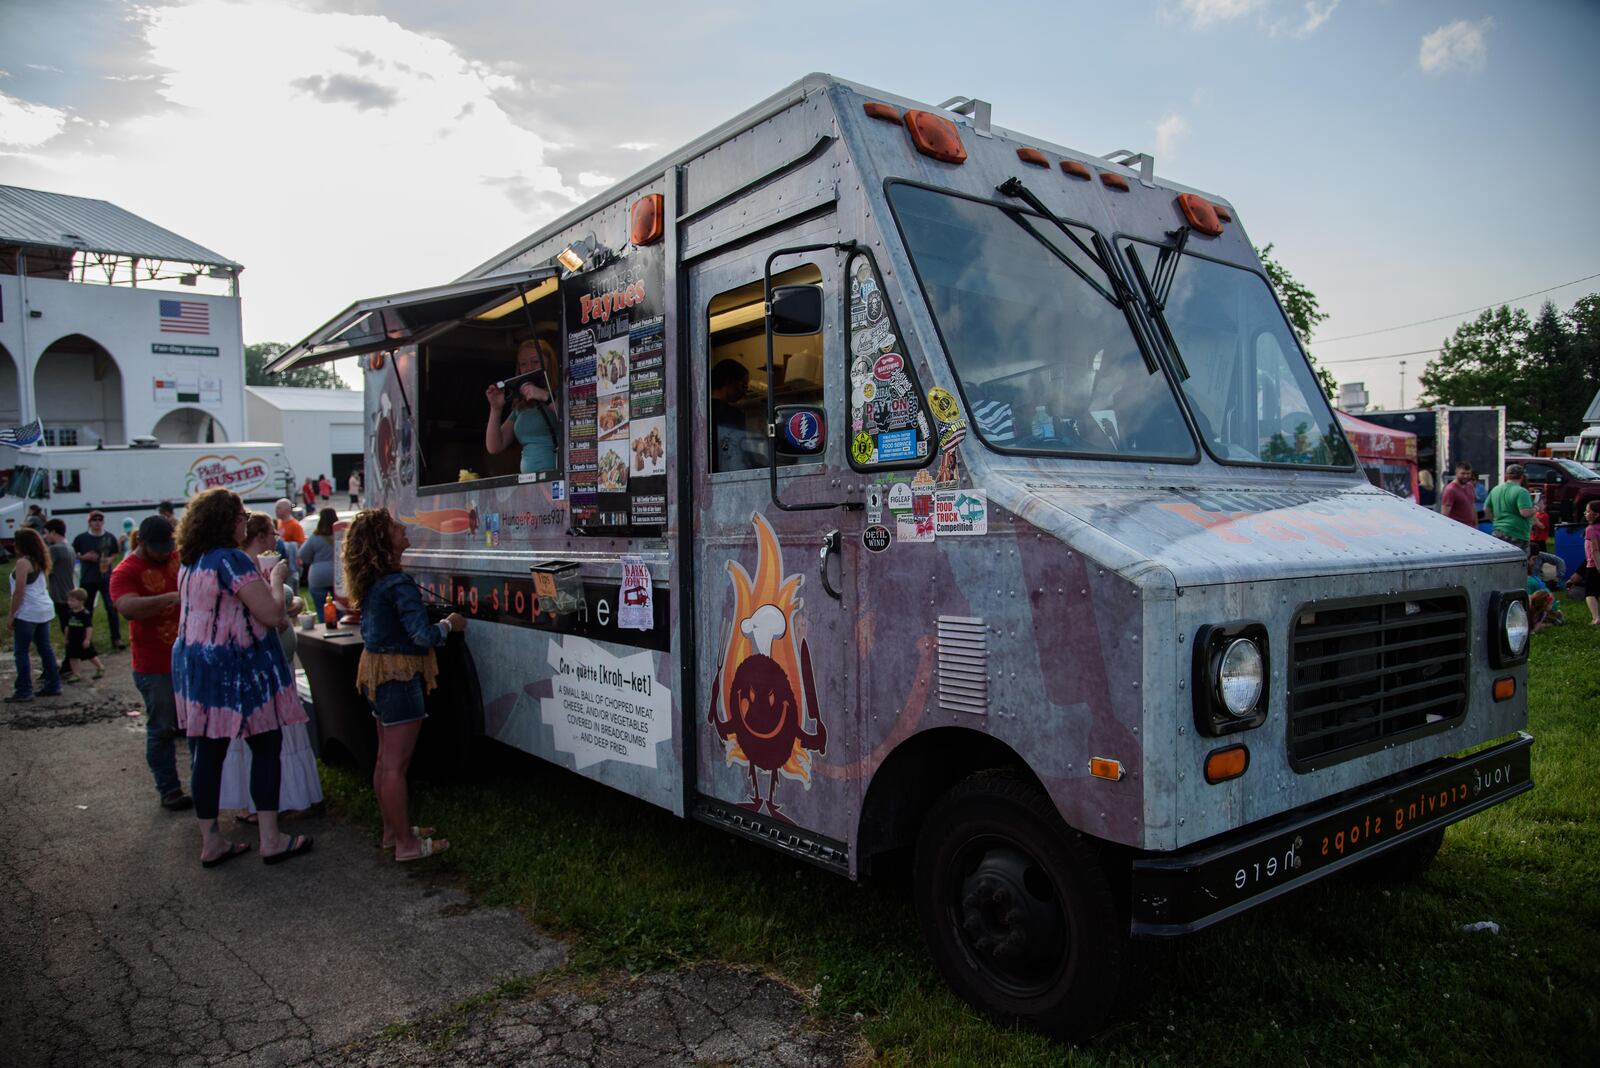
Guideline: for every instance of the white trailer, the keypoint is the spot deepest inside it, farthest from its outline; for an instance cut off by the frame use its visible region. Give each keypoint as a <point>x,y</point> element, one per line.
<point>129,481</point>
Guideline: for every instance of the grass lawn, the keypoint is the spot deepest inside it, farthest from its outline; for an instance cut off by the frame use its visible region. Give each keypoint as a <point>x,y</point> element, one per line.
<point>1341,972</point>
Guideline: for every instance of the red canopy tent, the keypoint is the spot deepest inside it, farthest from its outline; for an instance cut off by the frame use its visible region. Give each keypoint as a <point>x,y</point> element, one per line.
<point>1389,457</point>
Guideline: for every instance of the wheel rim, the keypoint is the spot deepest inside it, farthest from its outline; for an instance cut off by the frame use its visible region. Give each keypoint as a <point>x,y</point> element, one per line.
<point>1008,917</point>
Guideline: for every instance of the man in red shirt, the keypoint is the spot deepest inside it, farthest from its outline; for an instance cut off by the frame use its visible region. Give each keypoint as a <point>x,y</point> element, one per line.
<point>1460,499</point>
<point>144,588</point>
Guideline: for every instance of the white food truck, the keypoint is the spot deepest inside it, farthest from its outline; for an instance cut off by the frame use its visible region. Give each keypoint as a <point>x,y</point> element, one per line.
<point>129,481</point>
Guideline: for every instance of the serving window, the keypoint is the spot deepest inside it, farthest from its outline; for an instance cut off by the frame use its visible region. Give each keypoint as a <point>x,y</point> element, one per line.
<point>463,440</point>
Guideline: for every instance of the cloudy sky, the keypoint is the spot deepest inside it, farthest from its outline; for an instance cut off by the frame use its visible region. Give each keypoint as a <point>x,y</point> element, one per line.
<point>1409,159</point>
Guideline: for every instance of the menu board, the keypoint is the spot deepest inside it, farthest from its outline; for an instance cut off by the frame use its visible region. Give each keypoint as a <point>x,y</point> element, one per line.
<point>616,395</point>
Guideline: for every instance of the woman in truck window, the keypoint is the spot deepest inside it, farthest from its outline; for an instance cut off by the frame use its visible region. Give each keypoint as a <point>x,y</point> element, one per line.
<point>397,667</point>
<point>533,420</point>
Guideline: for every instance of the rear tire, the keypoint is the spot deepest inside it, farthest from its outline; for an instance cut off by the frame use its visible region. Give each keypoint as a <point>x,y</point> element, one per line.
<point>1017,911</point>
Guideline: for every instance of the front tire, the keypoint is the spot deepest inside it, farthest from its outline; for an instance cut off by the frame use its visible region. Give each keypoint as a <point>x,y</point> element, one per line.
<point>1017,911</point>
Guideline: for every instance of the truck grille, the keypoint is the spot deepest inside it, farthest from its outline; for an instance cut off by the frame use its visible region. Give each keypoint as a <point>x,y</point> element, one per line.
<point>1365,675</point>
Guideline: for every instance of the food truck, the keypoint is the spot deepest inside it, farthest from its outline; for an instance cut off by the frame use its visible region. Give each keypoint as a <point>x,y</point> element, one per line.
<point>1448,435</point>
<point>1387,456</point>
<point>127,482</point>
<point>929,488</point>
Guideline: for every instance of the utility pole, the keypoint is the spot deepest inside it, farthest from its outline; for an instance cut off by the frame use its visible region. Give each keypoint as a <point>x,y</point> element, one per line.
<point>1402,383</point>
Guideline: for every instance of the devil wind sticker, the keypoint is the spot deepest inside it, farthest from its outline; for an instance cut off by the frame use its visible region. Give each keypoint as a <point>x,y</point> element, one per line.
<point>887,423</point>
<point>764,696</point>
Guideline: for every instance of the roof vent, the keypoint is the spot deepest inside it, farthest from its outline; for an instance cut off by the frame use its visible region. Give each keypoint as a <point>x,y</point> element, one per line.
<point>144,441</point>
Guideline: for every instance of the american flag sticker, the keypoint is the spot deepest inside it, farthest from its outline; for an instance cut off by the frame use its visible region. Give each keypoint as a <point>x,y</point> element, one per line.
<point>185,317</point>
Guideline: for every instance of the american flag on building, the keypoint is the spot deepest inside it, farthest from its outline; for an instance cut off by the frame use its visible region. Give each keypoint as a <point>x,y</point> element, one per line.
<point>185,317</point>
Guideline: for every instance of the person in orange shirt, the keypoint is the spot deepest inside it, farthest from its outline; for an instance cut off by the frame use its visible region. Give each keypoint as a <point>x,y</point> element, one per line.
<point>292,533</point>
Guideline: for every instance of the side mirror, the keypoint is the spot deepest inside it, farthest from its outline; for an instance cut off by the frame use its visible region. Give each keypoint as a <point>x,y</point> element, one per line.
<point>795,311</point>
<point>802,429</point>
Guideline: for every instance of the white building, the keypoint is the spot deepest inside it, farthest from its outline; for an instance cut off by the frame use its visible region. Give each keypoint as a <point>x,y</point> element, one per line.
<point>112,327</point>
<point>321,429</point>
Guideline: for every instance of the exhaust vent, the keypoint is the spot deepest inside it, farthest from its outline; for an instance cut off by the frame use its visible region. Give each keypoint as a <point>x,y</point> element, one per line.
<point>963,665</point>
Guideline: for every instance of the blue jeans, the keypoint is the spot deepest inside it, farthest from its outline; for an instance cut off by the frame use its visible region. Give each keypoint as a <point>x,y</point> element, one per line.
<point>160,731</point>
<point>37,635</point>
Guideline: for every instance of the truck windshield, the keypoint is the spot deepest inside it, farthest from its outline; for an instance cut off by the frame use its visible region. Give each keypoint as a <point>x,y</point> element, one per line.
<point>26,482</point>
<point>1252,393</point>
<point>1577,470</point>
<point>1046,360</point>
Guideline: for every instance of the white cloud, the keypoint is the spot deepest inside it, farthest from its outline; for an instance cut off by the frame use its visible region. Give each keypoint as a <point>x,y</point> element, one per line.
<point>1316,15</point>
<point>590,180</point>
<point>25,125</point>
<point>1456,46</point>
<point>1203,13</point>
<point>1168,131</point>
<point>337,156</point>
<point>637,146</point>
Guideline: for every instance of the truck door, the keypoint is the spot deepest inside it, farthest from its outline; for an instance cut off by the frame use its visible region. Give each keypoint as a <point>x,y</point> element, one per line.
<point>774,599</point>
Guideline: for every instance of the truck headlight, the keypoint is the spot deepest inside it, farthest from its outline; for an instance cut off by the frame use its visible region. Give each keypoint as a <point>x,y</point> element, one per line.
<point>1508,628</point>
<point>1515,624</point>
<point>1239,676</point>
<point>1230,674</point>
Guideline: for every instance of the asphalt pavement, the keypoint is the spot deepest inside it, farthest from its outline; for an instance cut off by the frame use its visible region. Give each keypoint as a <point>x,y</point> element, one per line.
<point>117,948</point>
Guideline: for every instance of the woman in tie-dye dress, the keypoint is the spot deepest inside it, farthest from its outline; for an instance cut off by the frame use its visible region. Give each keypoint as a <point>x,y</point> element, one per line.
<point>229,674</point>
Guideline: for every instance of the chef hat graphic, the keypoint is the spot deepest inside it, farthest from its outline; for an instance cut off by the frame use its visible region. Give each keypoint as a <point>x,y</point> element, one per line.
<point>765,626</point>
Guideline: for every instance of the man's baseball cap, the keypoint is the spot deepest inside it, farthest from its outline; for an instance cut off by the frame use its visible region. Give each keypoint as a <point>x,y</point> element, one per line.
<point>155,533</point>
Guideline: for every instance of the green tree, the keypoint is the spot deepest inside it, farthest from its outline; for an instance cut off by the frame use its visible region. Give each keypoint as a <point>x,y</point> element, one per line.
<point>1486,362</point>
<point>1303,310</point>
<point>256,358</point>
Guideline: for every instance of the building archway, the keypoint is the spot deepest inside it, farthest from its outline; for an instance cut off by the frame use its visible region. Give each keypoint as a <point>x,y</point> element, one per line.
<point>183,426</point>
<point>77,393</point>
<point>10,390</point>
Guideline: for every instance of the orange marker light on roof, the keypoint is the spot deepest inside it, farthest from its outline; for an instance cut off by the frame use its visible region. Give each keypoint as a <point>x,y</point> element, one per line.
<point>1222,213</point>
<point>1033,156</point>
<point>1076,169</point>
<point>936,136</point>
<point>876,110</point>
<point>646,220</point>
<point>1201,214</point>
<point>1113,181</point>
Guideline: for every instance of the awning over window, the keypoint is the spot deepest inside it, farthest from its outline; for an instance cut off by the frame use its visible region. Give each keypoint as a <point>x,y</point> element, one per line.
<point>410,318</point>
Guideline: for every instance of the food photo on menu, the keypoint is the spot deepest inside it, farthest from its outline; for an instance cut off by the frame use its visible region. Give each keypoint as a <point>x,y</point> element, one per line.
<point>614,466</point>
<point>613,415</point>
<point>611,368</point>
<point>649,446</point>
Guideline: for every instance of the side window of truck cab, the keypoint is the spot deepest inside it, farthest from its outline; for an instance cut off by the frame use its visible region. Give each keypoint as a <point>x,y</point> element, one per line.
<point>737,368</point>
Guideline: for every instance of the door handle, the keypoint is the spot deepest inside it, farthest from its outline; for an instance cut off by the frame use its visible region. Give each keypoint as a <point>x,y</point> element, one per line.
<point>830,546</point>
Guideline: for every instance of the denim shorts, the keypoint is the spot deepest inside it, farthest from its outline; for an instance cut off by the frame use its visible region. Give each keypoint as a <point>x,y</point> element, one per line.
<point>399,702</point>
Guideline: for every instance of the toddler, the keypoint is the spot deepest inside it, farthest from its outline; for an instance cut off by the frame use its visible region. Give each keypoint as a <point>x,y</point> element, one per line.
<point>79,624</point>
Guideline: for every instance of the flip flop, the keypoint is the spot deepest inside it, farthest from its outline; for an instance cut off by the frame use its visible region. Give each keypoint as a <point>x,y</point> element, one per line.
<point>248,817</point>
<point>235,849</point>
<point>300,843</point>
<point>427,851</point>
<point>416,832</point>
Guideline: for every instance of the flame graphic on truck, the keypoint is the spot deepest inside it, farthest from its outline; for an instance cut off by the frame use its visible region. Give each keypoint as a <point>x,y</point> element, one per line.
<point>765,692</point>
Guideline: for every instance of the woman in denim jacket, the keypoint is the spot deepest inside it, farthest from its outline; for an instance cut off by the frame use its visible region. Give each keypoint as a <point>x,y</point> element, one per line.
<point>397,667</point>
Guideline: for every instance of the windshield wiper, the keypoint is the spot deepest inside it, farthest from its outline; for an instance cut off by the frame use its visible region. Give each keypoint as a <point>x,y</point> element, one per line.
<point>1100,255</point>
<point>1155,300</point>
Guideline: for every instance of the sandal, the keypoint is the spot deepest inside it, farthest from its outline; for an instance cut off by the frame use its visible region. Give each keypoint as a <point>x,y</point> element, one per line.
<point>235,849</point>
<point>416,832</point>
<point>300,843</point>
<point>428,850</point>
<point>247,817</point>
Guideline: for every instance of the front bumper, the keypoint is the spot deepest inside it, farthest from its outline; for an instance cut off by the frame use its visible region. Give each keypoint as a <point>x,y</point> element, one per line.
<point>1178,893</point>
